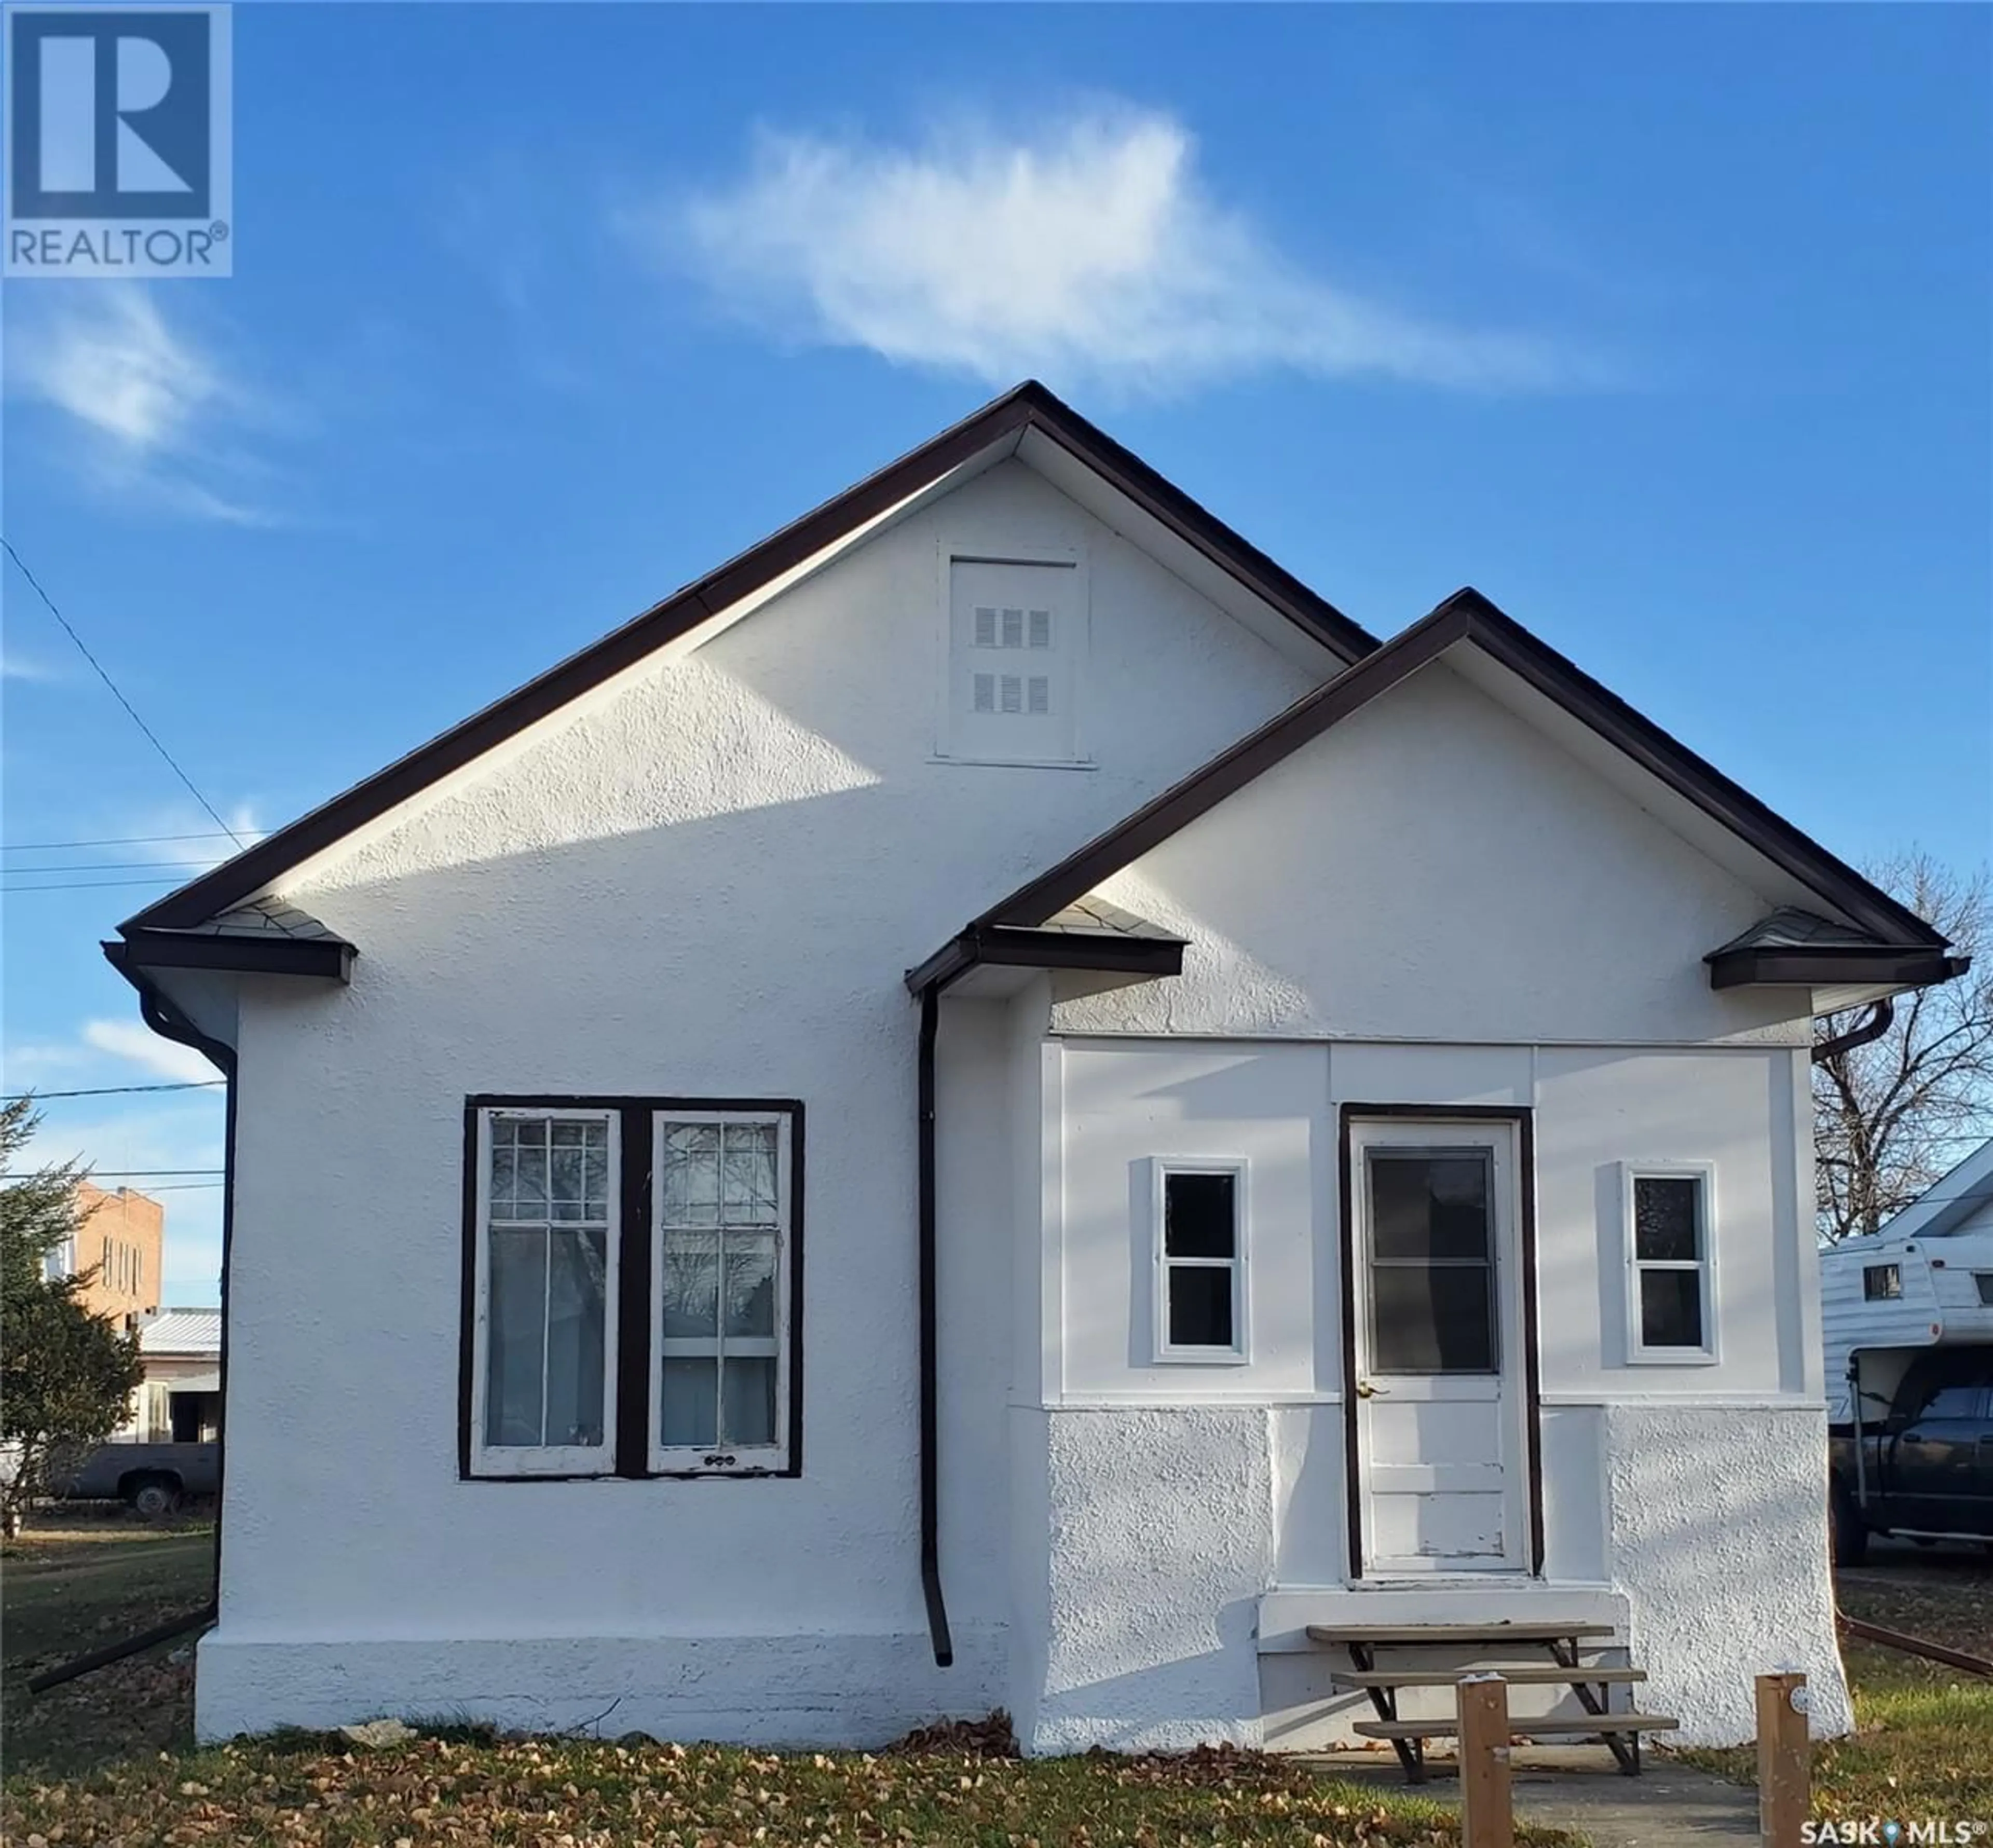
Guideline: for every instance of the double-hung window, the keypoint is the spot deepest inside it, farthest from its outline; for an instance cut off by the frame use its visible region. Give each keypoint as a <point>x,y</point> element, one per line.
<point>1670,1259</point>
<point>630,1267</point>
<point>1201,1297</point>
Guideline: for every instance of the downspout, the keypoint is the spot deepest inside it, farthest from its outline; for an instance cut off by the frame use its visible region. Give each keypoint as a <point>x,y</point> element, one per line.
<point>944,1649</point>
<point>1881,1015</point>
<point>167,1020</point>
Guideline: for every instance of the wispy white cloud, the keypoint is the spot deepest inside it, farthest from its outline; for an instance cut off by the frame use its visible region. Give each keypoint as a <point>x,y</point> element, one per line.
<point>1093,249</point>
<point>153,406</point>
<point>137,1044</point>
<point>15,666</point>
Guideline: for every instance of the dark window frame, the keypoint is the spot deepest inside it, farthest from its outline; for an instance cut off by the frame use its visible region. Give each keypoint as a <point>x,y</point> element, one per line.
<point>631,1411</point>
<point>1890,1278</point>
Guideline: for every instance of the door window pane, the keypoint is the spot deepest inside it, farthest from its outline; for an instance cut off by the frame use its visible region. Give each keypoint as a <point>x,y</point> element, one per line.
<point>1432,1318</point>
<point>1671,1308</point>
<point>1424,1205</point>
<point>1431,1269</point>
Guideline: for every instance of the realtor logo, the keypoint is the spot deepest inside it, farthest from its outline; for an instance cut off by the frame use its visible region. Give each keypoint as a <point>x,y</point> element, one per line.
<point>118,142</point>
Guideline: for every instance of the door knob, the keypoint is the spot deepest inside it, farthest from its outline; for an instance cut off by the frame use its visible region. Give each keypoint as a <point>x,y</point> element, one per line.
<point>1365,1390</point>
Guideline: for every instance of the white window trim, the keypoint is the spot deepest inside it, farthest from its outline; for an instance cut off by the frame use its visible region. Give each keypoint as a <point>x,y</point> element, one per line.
<point>1638,1353</point>
<point>544,1460</point>
<point>675,1459</point>
<point>1165,1352</point>
<point>961,549</point>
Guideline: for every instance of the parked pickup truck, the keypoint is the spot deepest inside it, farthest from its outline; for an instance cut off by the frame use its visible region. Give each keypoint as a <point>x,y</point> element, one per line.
<point>1924,1467</point>
<point>154,1478</point>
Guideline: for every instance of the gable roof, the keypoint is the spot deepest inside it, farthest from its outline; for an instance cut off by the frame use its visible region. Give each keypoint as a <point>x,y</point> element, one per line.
<point>1028,409</point>
<point>1948,1202</point>
<point>1468,618</point>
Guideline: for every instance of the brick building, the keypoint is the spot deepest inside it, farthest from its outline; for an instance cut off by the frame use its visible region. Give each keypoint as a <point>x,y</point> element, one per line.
<point>120,1239</point>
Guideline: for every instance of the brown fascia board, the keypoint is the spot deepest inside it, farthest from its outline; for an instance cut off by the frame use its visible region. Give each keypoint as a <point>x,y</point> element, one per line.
<point>1468,616</point>
<point>1004,946</point>
<point>1029,405</point>
<point>329,959</point>
<point>1891,965</point>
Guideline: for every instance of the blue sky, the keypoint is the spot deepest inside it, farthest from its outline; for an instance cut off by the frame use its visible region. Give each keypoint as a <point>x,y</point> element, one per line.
<point>1666,327</point>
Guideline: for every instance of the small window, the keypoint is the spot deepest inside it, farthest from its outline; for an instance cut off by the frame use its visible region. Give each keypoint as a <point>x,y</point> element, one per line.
<point>1672,1305</point>
<point>1882,1283</point>
<point>1016,643</point>
<point>1200,1299</point>
<point>630,1323</point>
<point>1984,1280</point>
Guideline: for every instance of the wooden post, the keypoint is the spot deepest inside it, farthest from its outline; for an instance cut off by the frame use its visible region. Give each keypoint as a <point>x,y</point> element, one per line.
<point>1487,1821</point>
<point>1785,1761</point>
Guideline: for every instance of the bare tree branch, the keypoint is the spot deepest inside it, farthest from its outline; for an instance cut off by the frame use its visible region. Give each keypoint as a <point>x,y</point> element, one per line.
<point>1891,1117</point>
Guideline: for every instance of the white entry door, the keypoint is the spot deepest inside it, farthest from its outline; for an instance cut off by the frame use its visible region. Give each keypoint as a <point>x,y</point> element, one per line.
<point>1440,1419</point>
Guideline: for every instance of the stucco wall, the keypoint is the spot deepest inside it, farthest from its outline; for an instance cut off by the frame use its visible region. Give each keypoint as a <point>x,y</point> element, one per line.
<point>1433,868</point>
<point>1719,1540</point>
<point>708,884</point>
<point>1160,1542</point>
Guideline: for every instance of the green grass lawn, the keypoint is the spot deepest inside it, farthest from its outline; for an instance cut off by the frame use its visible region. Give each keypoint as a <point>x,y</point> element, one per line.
<point>72,1585</point>
<point>109,1759</point>
<point>1923,1743</point>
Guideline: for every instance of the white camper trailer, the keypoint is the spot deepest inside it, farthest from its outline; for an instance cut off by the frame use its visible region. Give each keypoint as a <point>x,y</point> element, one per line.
<point>1924,1280</point>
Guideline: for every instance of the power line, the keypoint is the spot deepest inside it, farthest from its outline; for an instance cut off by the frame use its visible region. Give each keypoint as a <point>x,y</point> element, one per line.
<point>93,885</point>
<point>124,1173</point>
<point>120,840</point>
<point>35,582</point>
<point>22,1097</point>
<point>110,866</point>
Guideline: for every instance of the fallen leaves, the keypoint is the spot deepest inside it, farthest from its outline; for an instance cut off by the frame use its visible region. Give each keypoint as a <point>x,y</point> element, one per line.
<point>436,1792</point>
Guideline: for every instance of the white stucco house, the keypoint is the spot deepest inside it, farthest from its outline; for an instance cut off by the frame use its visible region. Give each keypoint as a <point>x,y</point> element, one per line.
<point>994,1105</point>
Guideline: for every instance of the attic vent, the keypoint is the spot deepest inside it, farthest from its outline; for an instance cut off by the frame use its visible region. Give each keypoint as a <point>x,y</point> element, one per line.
<point>1013,717</point>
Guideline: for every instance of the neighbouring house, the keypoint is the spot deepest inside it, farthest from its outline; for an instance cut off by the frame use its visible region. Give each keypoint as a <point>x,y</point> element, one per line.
<point>996,1105</point>
<point>180,1401</point>
<point>119,1240</point>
